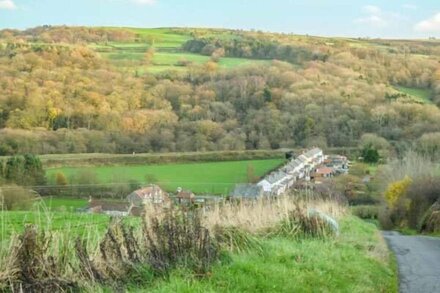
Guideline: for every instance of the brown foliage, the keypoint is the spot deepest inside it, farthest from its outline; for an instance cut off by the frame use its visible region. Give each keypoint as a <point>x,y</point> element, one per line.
<point>15,198</point>
<point>35,269</point>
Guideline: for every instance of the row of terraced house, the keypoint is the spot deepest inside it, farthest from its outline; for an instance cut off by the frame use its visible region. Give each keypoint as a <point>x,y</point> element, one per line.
<point>279,181</point>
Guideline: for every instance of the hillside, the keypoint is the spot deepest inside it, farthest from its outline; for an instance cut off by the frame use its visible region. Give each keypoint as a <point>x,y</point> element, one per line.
<point>124,90</point>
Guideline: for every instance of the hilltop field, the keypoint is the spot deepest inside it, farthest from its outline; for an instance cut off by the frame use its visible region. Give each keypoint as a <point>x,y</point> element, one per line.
<point>168,53</point>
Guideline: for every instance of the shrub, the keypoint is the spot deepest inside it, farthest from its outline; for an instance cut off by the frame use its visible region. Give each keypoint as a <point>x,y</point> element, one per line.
<point>397,191</point>
<point>385,218</point>
<point>409,189</point>
<point>60,179</point>
<point>368,212</point>
<point>370,155</point>
<point>34,269</point>
<point>24,170</point>
<point>15,198</point>
<point>422,193</point>
<point>179,240</point>
<point>431,220</point>
<point>307,223</point>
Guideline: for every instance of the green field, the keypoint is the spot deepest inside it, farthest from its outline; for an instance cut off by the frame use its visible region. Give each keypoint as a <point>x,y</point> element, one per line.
<point>76,223</point>
<point>216,177</point>
<point>167,43</point>
<point>63,204</point>
<point>417,94</point>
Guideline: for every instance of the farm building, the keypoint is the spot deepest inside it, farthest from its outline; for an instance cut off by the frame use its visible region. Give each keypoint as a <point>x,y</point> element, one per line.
<point>323,172</point>
<point>247,191</point>
<point>151,194</point>
<point>336,162</point>
<point>185,196</point>
<point>113,208</point>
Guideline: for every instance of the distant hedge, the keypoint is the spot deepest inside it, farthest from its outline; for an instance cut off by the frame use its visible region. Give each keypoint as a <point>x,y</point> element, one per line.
<point>51,161</point>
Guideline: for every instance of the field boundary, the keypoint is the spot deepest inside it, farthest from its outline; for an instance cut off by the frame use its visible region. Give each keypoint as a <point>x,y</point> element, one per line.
<point>85,160</point>
<point>101,159</point>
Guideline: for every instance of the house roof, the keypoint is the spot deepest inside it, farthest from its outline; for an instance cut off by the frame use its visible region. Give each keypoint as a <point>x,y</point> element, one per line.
<point>302,158</point>
<point>324,170</point>
<point>312,152</point>
<point>148,191</point>
<point>185,194</point>
<point>275,177</point>
<point>109,205</point>
<point>292,165</point>
<point>247,190</point>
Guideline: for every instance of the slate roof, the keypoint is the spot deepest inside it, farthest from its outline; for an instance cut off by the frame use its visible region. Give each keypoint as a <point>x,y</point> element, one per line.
<point>302,158</point>
<point>247,190</point>
<point>312,152</point>
<point>275,177</point>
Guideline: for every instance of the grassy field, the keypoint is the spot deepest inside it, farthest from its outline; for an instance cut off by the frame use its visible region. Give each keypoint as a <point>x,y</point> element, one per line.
<point>418,94</point>
<point>356,261</point>
<point>214,177</point>
<point>167,43</point>
<point>77,224</point>
<point>63,204</point>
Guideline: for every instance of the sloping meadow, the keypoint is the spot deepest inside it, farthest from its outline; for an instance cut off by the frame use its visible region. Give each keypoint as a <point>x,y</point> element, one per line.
<point>144,253</point>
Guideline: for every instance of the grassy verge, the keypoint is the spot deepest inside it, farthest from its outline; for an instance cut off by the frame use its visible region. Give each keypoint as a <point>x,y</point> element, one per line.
<point>356,261</point>
<point>228,248</point>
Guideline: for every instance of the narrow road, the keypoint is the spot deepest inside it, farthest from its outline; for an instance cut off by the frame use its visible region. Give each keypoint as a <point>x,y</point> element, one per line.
<point>418,258</point>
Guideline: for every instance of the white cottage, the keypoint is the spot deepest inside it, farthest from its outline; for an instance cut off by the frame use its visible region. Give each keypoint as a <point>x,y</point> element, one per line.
<point>273,183</point>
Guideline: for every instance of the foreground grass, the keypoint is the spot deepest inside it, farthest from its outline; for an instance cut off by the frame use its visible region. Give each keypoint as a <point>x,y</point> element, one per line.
<point>356,261</point>
<point>215,177</point>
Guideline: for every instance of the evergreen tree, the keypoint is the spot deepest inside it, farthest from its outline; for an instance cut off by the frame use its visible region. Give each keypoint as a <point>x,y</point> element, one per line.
<point>370,155</point>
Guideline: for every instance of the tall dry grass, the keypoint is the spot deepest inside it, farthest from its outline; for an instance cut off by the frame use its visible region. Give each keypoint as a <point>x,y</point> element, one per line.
<point>255,216</point>
<point>108,258</point>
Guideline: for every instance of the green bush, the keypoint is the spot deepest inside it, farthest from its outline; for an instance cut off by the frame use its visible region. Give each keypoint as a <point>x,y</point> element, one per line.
<point>180,241</point>
<point>15,198</point>
<point>367,212</point>
<point>370,155</point>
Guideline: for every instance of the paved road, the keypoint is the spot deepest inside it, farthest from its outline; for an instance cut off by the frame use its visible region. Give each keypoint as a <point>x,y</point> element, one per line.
<point>418,258</point>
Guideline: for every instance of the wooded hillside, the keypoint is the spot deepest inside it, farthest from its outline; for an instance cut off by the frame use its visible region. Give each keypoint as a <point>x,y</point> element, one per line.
<point>61,93</point>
